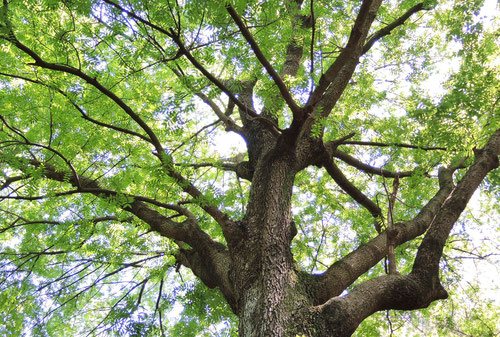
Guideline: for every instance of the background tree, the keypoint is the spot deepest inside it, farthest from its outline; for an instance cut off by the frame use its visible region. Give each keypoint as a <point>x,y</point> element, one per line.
<point>358,133</point>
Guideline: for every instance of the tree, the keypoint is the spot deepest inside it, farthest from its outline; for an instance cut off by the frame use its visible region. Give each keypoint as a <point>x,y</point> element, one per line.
<point>354,169</point>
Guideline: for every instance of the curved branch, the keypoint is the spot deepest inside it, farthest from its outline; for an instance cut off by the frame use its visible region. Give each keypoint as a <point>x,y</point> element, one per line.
<point>340,316</point>
<point>10,180</point>
<point>349,188</point>
<point>79,108</point>
<point>39,62</point>
<point>430,251</point>
<point>228,121</point>
<point>180,231</point>
<point>54,151</point>
<point>393,25</point>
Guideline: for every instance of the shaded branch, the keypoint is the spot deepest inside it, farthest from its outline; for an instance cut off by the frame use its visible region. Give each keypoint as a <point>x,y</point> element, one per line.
<point>340,316</point>
<point>138,18</point>
<point>207,258</point>
<point>422,286</point>
<point>430,251</point>
<point>194,135</point>
<point>186,231</point>
<point>347,270</point>
<point>45,147</point>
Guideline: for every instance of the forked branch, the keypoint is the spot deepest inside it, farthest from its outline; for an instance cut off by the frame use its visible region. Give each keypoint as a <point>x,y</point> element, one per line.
<point>440,213</point>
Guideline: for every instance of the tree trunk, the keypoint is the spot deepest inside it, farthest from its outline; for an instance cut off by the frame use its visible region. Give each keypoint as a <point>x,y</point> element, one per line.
<point>264,272</point>
<point>274,299</point>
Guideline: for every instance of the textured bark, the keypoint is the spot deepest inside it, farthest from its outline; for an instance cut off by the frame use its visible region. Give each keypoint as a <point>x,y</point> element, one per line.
<point>255,269</point>
<point>276,300</point>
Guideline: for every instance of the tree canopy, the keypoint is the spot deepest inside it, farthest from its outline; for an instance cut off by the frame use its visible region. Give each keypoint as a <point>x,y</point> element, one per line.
<point>198,168</point>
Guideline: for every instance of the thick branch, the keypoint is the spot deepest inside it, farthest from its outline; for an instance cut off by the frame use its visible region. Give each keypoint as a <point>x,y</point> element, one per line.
<point>348,269</point>
<point>422,286</point>
<point>438,214</point>
<point>342,69</point>
<point>430,251</point>
<point>340,316</point>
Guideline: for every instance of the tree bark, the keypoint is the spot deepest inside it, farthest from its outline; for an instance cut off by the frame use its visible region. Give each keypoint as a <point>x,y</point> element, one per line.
<point>274,299</point>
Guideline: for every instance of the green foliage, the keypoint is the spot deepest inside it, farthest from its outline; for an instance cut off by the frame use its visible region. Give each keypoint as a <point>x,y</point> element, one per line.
<point>78,263</point>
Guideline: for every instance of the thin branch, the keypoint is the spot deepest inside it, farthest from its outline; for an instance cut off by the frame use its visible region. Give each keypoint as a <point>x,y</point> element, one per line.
<point>390,27</point>
<point>285,93</point>
<point>80,109</point>
<point>380,144</point>
<point>183,50</point>
<point>349,188</point>
<point>313,32</point>
<point>230,123</point>
<point>222,218</point>
<point>39,62</point>
<point>186,52</point>
<point>107,193</point>
<point>368,168</point>
<point>48,148</point>
<point>391,231</point>
<point>10,180</point>
<point>213,124</point>
<point>138,18</point>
